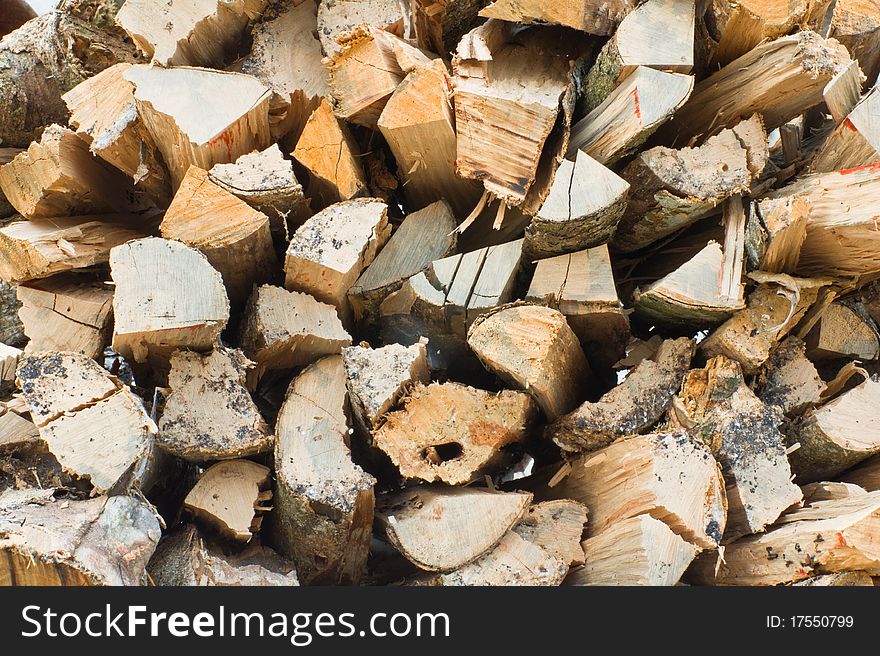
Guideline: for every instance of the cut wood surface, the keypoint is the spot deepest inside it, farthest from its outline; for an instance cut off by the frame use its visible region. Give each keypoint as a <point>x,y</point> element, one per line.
<point>439,25</point>
<point>336,17</point>
<point>856,140</point>
<point>856,25</point>
<point>776,232</point>
<point>841,333</point>
<point>591,16</point>
<point>789,380</point>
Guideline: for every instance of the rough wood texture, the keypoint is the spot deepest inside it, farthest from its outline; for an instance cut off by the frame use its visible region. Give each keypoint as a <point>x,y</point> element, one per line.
<point>209,414</point>
<point>776,232</point>
<point>842,333</point>
<point>53,541</point>
<point>591,16</point>
<point>632,407</point>
<point>336,17</point>
<point>440,529</point>
<point>324,502</point>
<point>789,380</point>
<point>440,24</point>
<point>855,141</point>
<point>856,24</point>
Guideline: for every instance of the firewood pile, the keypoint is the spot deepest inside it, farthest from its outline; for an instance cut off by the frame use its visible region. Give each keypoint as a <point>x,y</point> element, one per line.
<point>440,292</point>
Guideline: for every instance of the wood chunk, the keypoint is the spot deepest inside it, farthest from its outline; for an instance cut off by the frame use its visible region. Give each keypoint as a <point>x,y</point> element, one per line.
<point>717,407</point>
<point>104,113</point>
<point>593,16</point>
<point>173,104</point>
<point>671,477</point>
<point>9,357</point>
<point>581,286</point>
<point>336,17</point>
<point>844,91</point>
<point>167,297</point>
<point>866,474</point>
<point>532,348</point>
<point>418,125</point>
<point>183,558</point>
<point>16,432</point>
<point>331,156</point>
<point>841,332</point>
<point>328,253</point>
<point>423,236</point>
<point>630,114</point>
<point>582,210</point>
<point>632,407</point>
<point>265,181</point>
<point>440,24</point>
<point>283,329</point>
<point>658,34</point>
<point>789,380</point>
<point>209,414</point>
<point>440,529</point>
<point>59,177</point>
<point>673,189</point>
<point>855,141</point>
<point>324,502</point>
<point>229,498</point>
<point>53,541</point>
<point>847,579</point>
<point>829,491</point>
<point>637,551</point>
<point>777,79</point>
<point>66,313</point>
<point>427,442</point>
<point>81,410</point>
<point>823,538</point>
<point>835,436</point>
<point>44,247</point>
<point>195,33</point>
<point>378,378</point>
<point>776,232</point>
<point>233,236</point>
<point>856,25</point>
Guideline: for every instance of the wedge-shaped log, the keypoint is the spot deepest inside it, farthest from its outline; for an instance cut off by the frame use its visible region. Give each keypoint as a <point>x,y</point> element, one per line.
<point>427,442</point>
<point>592,16</point>
<point>80,411</point>
<point>324,502</point>
<point>856,24</point>
<point>98,541</point>
<point>842,332</point>
<point>440,24</point>
<point>789,380</point>
<point>440,529</point>
<point>632,407</point>
<point>172,104</point>
<point>337,17</point>
<point>234,237</point>
<point>775,233</point>
<point>67,313</point>
<point>168,296</point>
<point>855,141</point>
<point>209,414</point>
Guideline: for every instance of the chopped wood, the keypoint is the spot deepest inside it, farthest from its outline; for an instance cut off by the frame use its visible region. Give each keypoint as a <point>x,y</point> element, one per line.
<point>829,491</point>
<point>844,91</point>
<point>440,24</point>
<point>789,380</point>
<point>440,529</point>
<point>233,236</point>
<point>634,406</point>
<point>323,502</point>
<point>209,414</point>
<point>229,498</point>
<point>775,233</point>
<point>593,17</point>
<point>855,141</point>
<point>49,540</point>
<point>847,579</point>
<point>337,17</point>
<point>866,474</point>
<point>842,333</point>
<point>427,442</point>
<point>16,432</point>
<point>9,357</point>
<point>856,25</point>
<point>66,313</point>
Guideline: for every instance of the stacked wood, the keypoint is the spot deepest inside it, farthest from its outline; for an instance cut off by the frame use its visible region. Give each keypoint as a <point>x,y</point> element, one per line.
<point>854,141</point>
<point>843,332</point>
<point>789,380</point>
<point>856,25</point>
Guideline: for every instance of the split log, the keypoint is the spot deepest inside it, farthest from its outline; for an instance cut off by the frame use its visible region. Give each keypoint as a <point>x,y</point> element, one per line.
<point>671,477</point>
<point>844,91</point>
<point>59,177</point>
<point>440,24</point>
<point>423,236</point>
<point>44,247</point>
<point>593,16</point>
<point>229,496</point>
<point>657,34</point>
<point>830,491</point>
<point>9,357</point>
<point>50,55</point>
<point>581,286</point>
<point>53,541</point>
<point>16,432</point>
<point>16,13</point>
<point>823,538</point>
<point>440,529</point>
<point>209,414</point>
<point>427,442</point>
<point>637,551</point>
<point>233,236</point>
<point>66,313</point>
<point>265,181</point>
<point>532,348</point>
<point>856,140</point>
<point>378,378</point>
<point>336,17</point>
<point>283,329</point>
<point>329,153</point>
<point>171,103</point>
<point>195,33</point>
<point>328,253</point>
<point>418,124</point>
<point>324,502</point>
<point>78,407</point>
<point>775,233</point>
<point>717,407</point>
<point>167,297</point>
<point>632,407</point>
<point>856,24</point>
<point>842,332</point>
<point>778,79</point>
<point>183,558</point>
<point>846,579</point>
<point>582,210</point>
<point>789,380</point>
<point>838,435</point>
<point>866,474</point>
<point>617,127</point>
<point>103,112</point>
